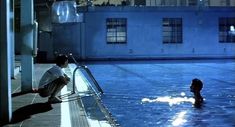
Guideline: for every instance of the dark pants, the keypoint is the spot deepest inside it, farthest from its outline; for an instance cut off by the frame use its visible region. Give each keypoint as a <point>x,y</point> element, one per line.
<point>51,89</point>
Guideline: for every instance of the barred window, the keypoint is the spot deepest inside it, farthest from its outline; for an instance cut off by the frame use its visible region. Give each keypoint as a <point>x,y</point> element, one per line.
<point>116,30</point>
<point>172,30</point>
<point>226,30</point>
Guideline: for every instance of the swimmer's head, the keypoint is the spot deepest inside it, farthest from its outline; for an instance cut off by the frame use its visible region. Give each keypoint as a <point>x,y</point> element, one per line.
<point>196,85</point>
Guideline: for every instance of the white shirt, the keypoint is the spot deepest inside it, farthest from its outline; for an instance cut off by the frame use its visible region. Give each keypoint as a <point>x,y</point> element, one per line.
<point>50,75</point>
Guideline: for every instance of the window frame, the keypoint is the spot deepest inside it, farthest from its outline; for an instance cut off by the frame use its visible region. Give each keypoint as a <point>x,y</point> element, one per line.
<point>172,30</point>
<point>116,29</point>
<point>224,24</point>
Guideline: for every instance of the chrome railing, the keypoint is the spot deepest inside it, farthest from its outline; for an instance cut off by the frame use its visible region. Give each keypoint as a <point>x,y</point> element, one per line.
<point>89,74</point>
<point>103,109</point>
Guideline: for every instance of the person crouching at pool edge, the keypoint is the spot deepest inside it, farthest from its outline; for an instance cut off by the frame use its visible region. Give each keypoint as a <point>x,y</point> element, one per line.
<point>195,88</point>
<point>53,80</point>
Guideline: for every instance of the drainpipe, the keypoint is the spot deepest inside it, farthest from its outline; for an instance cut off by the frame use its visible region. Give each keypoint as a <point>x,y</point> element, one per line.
<point>5,60</point>
<point>82,40</point>
<point>27,21</point>
<point>12,40</point>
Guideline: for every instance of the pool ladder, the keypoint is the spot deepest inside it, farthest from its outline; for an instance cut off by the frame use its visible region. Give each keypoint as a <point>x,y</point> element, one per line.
<point>90,75</point>
<point>104,110</point>
<point>107,114</point>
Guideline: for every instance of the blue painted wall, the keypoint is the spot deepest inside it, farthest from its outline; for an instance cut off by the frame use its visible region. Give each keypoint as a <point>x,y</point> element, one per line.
<point>144,34</point>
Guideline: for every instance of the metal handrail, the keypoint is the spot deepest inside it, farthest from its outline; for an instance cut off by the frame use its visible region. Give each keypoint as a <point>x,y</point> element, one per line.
<point>74,72</point>
<point>87,71</point>
<point>93,79</point>
<point>103,109</point>
<point>107,114</point>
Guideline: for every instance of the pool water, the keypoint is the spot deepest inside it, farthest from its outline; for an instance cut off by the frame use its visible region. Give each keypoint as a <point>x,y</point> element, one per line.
<point>156,93</point>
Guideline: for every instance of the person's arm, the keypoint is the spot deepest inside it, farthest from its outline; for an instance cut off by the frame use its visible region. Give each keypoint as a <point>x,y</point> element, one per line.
<point>62,76</point>
<point>67,78</point>
<point>64,80</point>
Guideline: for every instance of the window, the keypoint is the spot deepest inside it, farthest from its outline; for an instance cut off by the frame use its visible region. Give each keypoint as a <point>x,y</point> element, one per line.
<point>172,30</point>
<point>226,30</point>
<point>116,30</point>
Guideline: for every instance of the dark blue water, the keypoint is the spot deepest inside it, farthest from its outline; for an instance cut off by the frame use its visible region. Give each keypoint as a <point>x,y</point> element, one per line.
<point>165,84</point>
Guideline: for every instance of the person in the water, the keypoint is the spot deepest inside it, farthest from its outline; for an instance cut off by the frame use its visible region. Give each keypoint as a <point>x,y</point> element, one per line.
<point>195,88</point>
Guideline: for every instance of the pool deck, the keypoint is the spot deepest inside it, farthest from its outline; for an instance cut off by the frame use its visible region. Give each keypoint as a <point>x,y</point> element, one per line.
<point>31,110</point>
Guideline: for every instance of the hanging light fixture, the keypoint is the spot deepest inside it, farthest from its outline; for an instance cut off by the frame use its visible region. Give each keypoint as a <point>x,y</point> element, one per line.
<point>65,12</point>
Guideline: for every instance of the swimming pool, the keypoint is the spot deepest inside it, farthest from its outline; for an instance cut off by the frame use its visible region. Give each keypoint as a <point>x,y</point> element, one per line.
<point>156,93</point>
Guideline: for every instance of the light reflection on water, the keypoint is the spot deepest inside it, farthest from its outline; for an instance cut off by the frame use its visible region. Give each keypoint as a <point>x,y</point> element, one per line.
<point>170,100</point>
<point>179,119</point>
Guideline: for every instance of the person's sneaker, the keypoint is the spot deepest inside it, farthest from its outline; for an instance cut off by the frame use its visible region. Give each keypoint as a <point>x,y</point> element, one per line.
<point>53,100</point>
